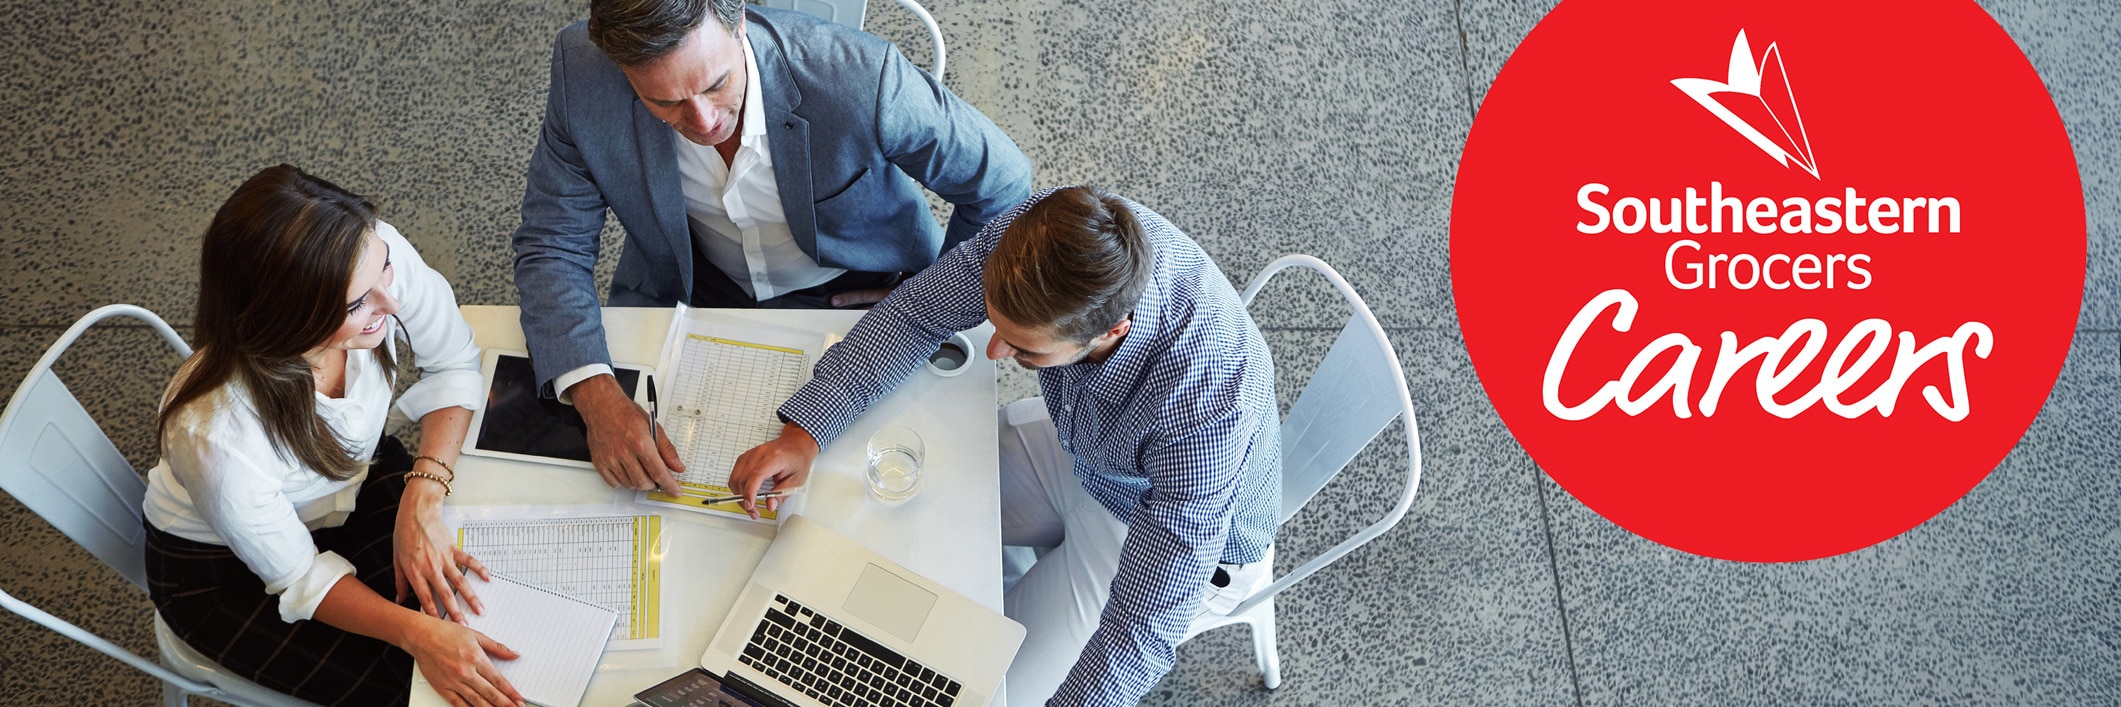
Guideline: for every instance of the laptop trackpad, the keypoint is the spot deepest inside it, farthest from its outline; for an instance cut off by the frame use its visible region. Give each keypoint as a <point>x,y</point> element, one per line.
<point>891,603</point>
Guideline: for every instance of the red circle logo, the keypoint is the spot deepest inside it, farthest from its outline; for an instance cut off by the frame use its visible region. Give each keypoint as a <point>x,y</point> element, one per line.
<point>1768,281</point>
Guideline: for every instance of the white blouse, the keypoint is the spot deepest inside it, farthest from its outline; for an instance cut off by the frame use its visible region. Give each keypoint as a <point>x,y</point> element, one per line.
<point>221,481</point>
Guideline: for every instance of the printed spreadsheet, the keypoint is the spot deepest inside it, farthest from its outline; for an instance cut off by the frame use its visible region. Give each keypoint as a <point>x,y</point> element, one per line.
<point>726,395</point>
<point>609,561</point>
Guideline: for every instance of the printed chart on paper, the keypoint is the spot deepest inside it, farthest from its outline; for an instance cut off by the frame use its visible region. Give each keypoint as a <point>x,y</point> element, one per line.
<point>609,561</point>
<point>726,394</point>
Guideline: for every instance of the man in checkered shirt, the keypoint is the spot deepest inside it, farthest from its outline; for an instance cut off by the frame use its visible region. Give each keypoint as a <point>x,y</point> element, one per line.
<point>1150,471</point>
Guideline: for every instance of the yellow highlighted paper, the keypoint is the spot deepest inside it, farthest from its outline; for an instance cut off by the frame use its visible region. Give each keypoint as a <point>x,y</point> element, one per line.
<point>747,344</point>
<point>696,496</point>
<point>611,561</point>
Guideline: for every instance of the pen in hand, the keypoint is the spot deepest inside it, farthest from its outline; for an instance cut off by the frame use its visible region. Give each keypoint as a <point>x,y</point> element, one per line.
<point>717,500</point>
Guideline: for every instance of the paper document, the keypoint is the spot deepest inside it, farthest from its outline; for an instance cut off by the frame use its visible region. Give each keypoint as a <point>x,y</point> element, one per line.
<point>722,382</point>
<point>559,638</point>
<point>611,561</point>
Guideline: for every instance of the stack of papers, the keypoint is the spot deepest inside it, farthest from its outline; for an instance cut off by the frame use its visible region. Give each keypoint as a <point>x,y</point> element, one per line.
<point>721,382</point>
<point>610,561</point>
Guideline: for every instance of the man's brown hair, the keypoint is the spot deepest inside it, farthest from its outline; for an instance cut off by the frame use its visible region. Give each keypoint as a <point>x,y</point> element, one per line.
<point>638,32</point>
<point>1076,263</point>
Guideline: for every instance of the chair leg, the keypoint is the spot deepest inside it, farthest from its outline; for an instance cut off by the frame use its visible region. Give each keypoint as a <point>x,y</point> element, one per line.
<point>172,696</point>
<point>1263,647</point>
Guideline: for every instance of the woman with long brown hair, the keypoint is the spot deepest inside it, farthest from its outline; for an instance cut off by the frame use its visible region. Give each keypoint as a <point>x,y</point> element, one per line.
<point>280,514</point>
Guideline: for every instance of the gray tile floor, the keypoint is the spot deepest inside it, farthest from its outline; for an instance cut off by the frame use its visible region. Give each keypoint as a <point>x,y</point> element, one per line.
<point>1329,127</point>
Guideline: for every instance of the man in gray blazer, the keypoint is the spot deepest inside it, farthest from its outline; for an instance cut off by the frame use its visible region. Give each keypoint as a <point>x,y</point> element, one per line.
<point>757,158</point>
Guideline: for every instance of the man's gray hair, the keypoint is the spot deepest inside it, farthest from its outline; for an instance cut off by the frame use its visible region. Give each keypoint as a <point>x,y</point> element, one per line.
<point>638,32</point>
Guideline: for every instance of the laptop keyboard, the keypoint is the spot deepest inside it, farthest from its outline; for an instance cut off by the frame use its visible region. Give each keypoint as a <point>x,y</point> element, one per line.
<point>834,665</point>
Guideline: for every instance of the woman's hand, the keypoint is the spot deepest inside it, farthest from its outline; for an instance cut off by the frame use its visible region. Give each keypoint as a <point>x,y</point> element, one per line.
<point>454,659</point>
<point>427,560</point>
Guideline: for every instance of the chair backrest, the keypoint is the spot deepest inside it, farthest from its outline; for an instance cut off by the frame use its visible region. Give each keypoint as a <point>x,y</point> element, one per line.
<point>853,12</point>
<point>1346,405</point>
<point>846,12</point>
<point>59,463</point>
<point>1356,391</point>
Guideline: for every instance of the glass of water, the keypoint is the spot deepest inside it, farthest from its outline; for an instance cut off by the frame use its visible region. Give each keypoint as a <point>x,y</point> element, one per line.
<point>894,470</point>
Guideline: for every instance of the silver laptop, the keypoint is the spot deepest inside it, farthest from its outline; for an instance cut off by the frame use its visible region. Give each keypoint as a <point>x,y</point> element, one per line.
<point>828,622</point>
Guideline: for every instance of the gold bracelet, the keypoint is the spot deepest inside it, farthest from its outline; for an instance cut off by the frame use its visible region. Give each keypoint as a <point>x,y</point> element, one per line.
<point>445,467</point>
<point>435,477</point>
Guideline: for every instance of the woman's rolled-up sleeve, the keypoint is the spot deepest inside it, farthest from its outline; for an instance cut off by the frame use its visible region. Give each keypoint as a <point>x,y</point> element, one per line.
<point>241,500</point>
<point>441,340</point>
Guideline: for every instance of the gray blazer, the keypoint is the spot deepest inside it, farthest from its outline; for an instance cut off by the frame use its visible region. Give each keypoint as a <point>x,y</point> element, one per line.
<point>855,131</point>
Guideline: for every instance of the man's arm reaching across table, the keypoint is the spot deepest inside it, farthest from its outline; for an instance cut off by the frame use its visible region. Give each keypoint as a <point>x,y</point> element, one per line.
<point>888,344</point>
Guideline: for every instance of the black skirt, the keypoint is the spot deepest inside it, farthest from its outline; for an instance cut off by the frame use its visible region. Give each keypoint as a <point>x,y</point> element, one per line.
<point>212,601</point>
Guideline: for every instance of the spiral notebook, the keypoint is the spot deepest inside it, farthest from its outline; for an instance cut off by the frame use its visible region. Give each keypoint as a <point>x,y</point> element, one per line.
<point>560,638</point>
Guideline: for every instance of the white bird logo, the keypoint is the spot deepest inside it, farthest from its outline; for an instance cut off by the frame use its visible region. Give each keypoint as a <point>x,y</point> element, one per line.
<point>1768,84</point>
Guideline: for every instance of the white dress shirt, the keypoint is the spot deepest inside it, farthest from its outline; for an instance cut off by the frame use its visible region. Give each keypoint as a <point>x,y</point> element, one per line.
<point>745,233</point>
<point>735,213</point>
<point>222,481</point>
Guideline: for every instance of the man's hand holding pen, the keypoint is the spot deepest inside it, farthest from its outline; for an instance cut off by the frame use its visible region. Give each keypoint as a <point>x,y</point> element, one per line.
<point>785,460</point>
<point>618,447</point>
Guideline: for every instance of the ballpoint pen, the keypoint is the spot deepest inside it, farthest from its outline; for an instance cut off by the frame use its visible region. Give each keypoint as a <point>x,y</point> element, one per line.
<point>655,409</point>
<point>716,500</point>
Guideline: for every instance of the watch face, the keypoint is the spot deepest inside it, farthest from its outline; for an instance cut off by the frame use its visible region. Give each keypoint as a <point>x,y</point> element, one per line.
<point>694,688</point>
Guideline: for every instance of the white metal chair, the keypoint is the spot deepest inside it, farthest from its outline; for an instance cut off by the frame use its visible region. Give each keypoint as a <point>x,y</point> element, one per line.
<point>57,462</point>
<point>853,12</point>
<point>1353,395</point>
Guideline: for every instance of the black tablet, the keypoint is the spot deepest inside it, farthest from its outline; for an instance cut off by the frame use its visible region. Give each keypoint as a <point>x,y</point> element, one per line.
<point>693,688</point>
<point>517,423</point>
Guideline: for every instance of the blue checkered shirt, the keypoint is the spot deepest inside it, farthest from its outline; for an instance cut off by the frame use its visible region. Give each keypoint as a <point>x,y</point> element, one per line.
<point>1176,433</point>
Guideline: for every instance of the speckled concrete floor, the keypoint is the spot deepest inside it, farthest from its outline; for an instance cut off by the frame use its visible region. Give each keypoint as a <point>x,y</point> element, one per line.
<point>1331,127</point>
